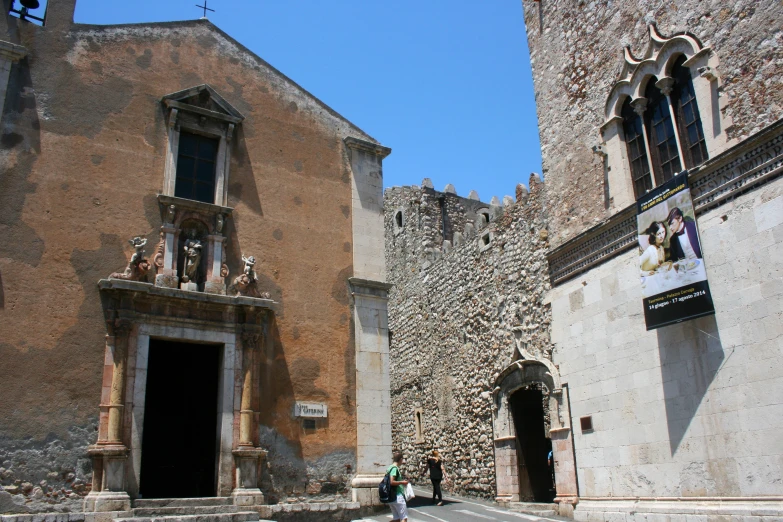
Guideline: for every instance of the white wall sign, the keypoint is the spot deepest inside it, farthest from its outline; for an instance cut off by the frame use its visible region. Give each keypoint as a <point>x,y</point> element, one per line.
<point>309,409</point>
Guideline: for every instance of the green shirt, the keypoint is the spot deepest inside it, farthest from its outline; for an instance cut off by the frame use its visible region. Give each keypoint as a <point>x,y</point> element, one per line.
<point>397,477</point>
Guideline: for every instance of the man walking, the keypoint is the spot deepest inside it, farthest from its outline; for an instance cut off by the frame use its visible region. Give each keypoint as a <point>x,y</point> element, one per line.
<point>399,507</point>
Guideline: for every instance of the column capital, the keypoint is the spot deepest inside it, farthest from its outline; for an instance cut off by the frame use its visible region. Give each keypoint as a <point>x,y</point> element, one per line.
<point>250,337</point>
<point>119,327</point>
<point>639,105</point>
<point>11,51</point>
<point>665,84</point>
<point>367,146</point>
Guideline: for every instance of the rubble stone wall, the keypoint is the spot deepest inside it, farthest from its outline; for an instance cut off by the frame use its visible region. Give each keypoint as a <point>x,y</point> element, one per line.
<point>576,49</point>
<point>455,313</point>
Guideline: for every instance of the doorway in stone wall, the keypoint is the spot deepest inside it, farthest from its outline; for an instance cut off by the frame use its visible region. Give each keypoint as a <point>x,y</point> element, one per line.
<point>180,436</point>
<point>530,411</point>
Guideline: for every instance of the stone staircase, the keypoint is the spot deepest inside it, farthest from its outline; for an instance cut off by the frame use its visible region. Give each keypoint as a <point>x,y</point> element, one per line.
<point>213,509</point>
<point>533,508</point>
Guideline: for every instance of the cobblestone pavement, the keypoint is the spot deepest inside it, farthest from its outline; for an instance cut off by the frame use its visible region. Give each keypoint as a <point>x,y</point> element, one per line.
<point>457,509</point>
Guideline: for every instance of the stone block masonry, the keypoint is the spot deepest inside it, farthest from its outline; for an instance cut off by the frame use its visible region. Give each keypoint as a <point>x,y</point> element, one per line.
<point>469,280</point>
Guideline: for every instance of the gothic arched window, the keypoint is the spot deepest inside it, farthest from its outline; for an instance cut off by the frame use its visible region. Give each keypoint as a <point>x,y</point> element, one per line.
<point>633,129</point>
<point>687,115</point>
<point>660,133</point>
<point>657,113</point>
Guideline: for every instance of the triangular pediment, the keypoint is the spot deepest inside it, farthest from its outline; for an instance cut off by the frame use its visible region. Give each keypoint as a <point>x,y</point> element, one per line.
<point>203,98</point>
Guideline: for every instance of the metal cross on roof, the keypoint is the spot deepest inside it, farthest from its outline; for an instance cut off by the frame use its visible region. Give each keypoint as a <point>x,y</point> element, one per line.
<point>205,8</point>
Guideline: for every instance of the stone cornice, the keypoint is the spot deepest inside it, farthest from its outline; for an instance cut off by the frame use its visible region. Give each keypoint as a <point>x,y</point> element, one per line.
<point>139,291</point>
<point>11,51</point>
<point>751,163</point>
<point>367,146</point>
<point>197,206</point>
<point>202,112</point>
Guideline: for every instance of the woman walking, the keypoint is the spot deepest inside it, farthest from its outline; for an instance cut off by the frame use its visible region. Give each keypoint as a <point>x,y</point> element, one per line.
<point>437,474</point>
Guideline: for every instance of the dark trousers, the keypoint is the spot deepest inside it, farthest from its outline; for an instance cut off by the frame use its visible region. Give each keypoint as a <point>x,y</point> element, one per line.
<point>436,492</point>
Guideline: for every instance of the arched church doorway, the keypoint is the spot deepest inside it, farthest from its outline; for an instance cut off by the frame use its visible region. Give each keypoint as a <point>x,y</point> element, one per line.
<point>530,419</point>
<point>529,407</point>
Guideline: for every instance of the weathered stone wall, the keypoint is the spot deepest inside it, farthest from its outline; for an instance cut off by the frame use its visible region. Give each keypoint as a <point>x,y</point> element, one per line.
<point>83,143</point>
<point>454,312</point>
<point>576,54</point>
<point>692,409</point>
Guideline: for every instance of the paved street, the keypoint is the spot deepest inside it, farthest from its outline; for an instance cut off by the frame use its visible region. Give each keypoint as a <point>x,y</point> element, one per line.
<point>454,509</point>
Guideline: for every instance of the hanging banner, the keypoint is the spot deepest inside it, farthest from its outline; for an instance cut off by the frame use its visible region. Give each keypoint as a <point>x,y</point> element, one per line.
<point>674,279</point>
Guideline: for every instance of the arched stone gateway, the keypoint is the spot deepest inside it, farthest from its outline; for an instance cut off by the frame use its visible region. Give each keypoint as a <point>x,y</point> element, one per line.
<point>530,417</point>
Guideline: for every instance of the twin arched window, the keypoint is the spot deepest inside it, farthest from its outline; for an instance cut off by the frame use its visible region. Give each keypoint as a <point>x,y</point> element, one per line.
<point>663,131</point>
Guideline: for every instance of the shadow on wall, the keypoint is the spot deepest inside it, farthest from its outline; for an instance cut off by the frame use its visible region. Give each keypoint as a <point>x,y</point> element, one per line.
<point>279,433</point>
<point>242,185</point>
<point>691,356</point>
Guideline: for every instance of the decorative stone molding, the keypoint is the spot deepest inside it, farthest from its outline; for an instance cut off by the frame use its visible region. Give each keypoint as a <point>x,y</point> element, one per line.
<point>367,146</point>
<point>657,61</point>
<point>656,65</point>
<point>202,110</point>
<point>11,52</point>
<point>749,164</point>
<point>189,222</point>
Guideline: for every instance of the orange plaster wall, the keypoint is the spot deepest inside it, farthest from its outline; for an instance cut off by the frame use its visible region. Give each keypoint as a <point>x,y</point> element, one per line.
<point>84,161</point>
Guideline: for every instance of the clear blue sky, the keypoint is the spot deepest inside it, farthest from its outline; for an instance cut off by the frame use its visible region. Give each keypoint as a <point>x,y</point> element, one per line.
<point>445,84</point>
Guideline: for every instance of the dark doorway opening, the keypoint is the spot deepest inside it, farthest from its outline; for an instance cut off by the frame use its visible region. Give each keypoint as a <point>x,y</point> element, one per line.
<point>180,441</point>
<point>529,408</point>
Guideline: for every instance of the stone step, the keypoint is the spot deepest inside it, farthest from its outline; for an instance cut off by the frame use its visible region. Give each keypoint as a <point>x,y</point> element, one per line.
<point>540,509</point>
<point>182,510</point>
<point>241,516</point>
<point>182,502</point>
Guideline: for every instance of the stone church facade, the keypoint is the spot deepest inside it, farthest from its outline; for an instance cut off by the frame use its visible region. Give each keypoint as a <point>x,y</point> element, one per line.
<point>517,326</point>
<point>192,279</point>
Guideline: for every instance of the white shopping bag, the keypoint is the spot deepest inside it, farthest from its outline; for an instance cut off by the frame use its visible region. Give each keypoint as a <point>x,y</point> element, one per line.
<point>409,492</point>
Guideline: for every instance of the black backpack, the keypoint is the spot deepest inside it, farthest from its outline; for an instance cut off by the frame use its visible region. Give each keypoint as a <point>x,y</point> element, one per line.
<point>385,490</point>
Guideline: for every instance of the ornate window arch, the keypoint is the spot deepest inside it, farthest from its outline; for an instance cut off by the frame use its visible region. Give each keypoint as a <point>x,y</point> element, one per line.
<point>662,116</point>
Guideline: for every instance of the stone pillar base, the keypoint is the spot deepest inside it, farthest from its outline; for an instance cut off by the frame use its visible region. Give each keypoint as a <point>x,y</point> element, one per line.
<point>247,497</point>
<point>108,493</point>
<point>364,489</point>
<point>248,460</point>
<point>191,287</point>
<point>107,501</point>
<point>166,280</point>
<point>566,505</point>
<point>213,287</point>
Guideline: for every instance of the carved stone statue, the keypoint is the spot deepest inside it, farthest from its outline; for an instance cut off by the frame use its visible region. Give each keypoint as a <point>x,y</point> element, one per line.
<point>138,266</point>
<point>245,283</point>
<point>192,252</point>
<point>250,262</point>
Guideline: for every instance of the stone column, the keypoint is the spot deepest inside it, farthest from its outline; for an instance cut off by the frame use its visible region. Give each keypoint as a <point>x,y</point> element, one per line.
<point>247,455</point>
<point>563,453</point>
<point>215,283</point>
<point>666,84</point>
<point>373,402</point>
<point>166,261</point>
<point>110,454</point>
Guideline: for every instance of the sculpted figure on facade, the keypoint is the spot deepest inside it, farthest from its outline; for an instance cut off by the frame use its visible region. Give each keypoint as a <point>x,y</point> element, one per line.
<point>245,283</point>
<point>193,251</point>
<point>138,266</point>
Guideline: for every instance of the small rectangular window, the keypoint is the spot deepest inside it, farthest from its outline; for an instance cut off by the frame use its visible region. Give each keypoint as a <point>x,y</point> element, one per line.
<point>308,424</point>
<point>196,162</point>
<point>586,423</point>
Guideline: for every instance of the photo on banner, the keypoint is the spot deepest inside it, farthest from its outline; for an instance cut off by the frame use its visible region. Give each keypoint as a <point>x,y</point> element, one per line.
<point>671,262</point>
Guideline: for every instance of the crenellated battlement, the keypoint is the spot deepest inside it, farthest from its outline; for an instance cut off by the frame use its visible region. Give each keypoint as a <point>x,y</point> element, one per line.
<point>423,223</point>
